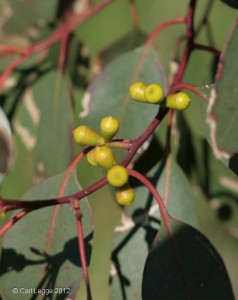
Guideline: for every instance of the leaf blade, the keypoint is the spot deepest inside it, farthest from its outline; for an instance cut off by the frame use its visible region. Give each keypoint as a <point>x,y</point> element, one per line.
<point>183,267</point>
<point>25,242</point>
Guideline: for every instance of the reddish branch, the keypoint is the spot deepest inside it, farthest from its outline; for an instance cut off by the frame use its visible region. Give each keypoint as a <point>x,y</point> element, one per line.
<point>81,244</point>
<point>187,86</point>
<point>59,34</point>
<point>189,19</point>
<point>189,43</point>
<point>208,49</point>
<point>6,50</point>
<point>12,221</point>
<point>167,223</point>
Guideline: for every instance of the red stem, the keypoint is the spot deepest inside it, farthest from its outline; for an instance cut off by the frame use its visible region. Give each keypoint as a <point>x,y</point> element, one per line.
<point>163,26</point>
<point>6,205</point>
<point>208,49</point>
<point>187,86</point>
<point>166,219</point>
<point>57,35</point>
<point>73,164</point>
<point>81,245</point>
<point>63,52</point>
<point>12,221</point>
<point>178,78</point>
<point>164,214</point>
<point>189,43</point>
<point>9,49</point>
<point>61,192</point>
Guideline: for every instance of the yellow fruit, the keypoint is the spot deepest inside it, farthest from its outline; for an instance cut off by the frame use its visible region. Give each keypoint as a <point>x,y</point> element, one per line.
<point>179,101</point>
<point>84,135</point>
<point>104,157</point>
<point>91,158</point>
<point>125,195</point>
<point>154,93</point>
<point>137,91</point>
<point>117,176</point>
<point>109,127</point>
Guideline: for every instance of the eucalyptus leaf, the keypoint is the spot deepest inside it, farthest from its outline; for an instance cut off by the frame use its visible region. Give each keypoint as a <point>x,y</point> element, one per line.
<point>108,94</point>
<point>41,250</point>
<point>223,112</point>
<point>182,264</point>
<point>54,131</point>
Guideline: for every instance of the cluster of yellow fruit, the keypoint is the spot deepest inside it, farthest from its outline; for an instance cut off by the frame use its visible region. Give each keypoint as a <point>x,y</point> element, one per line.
<point>102,156</point>
<point>154,94</point>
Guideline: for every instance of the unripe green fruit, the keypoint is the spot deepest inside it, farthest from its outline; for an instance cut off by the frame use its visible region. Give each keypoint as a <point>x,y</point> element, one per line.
<point>117,176</point>
<point>179,101</point>
<point>154,93</point>
<point>137,91</point>
<point>125,195</point>
<point>104,157</point>
<point>109,127</point>
<point>91,158</point>
<point>84,135</point>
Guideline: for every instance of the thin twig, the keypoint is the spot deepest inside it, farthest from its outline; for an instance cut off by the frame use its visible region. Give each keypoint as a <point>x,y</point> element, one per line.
<point>81,244</point>
<point>56,36</point>
<point>166,219</point>
<point>12,221</point>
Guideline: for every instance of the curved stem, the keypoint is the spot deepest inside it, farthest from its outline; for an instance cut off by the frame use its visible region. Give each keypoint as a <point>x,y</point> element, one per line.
<point>163,26</point>
<point>164,214</point>
<point>166,219</point>
<point>187,86</point>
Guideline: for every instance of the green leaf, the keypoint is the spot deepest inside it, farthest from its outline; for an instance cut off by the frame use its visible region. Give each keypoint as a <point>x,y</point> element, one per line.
<point>182,264</point>
<point>180,201</point>
<point>197,122</point>
<point>231,162</point>
<point>220,234</point>
<point>109,92</point>
<point>53,133</point>
<point>223,111</point>
<point>133,238</point>
<point>26,14</point>
<point>116,13</point>
<point>127,42</point>
<point>106,215</point>
<point>22,108</point>
<point>25,261</point>
<point>140,224</point>
<point>128,260</point>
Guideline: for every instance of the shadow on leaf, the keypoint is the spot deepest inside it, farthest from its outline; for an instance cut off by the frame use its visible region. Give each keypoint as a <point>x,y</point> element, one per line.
<point>51,264</point>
